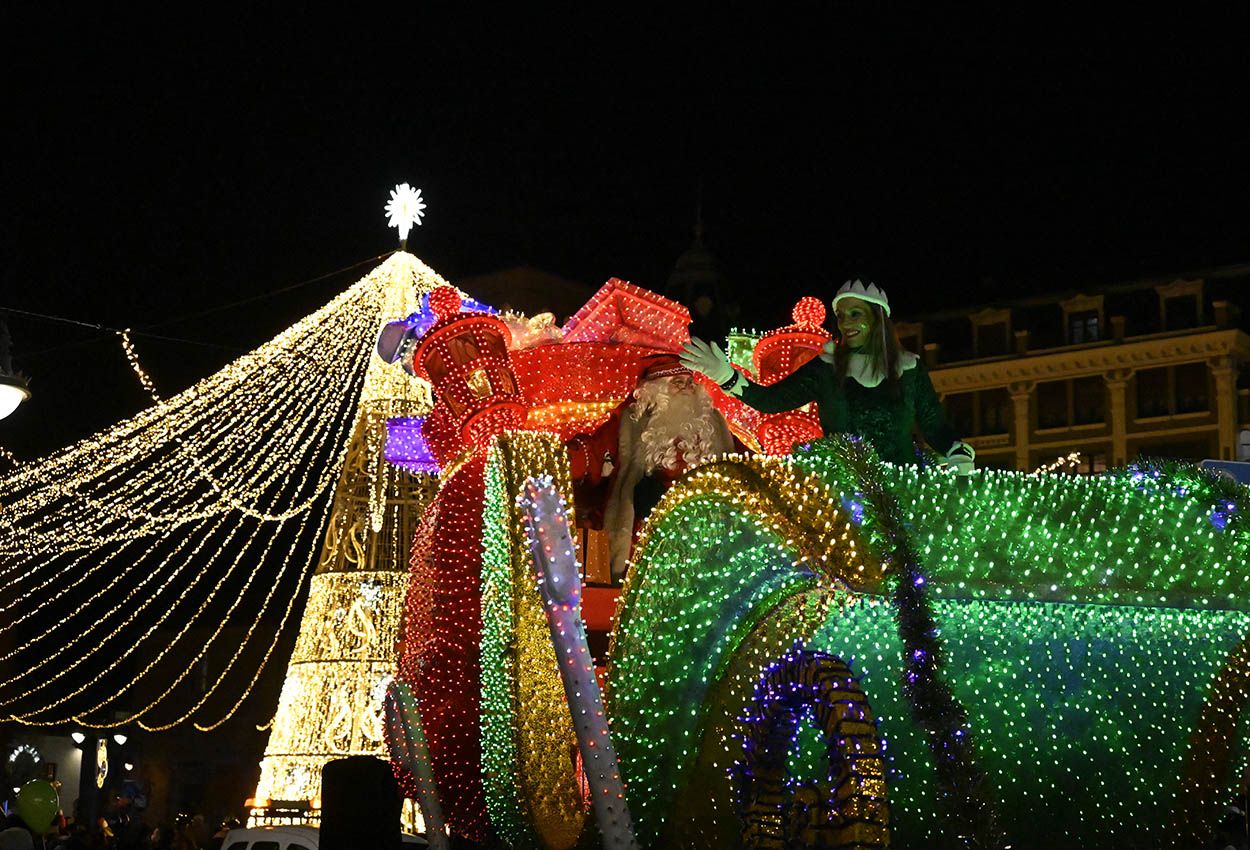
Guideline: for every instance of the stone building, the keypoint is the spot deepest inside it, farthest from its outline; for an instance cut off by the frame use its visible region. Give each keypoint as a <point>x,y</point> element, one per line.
<point>1149,368</point>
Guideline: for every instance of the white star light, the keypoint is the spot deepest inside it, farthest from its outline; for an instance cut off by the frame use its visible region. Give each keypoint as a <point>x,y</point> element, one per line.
<point>404,209</point>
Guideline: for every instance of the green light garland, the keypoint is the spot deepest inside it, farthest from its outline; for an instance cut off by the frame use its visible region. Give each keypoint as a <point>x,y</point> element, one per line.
<point>1083,623</point>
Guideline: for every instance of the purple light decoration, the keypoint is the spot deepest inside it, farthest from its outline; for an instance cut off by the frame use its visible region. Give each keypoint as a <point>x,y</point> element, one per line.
<point>805,688</point>
<point>854,506</point>
<point>397,337</point>
<point>406,447</point>
<point>422,320</point>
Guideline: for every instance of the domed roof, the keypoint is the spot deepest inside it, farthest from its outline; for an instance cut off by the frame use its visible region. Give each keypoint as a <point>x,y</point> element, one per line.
<point>696,272</point>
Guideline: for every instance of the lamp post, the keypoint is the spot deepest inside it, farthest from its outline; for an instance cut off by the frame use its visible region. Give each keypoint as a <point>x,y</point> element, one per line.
<point>88,793</point>
<point>13,387</point>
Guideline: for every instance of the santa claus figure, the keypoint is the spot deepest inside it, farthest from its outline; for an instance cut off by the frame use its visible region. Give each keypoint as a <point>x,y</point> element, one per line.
<point>669,427</point>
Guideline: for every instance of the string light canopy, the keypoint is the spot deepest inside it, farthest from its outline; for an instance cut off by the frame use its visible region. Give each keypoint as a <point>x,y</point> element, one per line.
<point>183,535</point>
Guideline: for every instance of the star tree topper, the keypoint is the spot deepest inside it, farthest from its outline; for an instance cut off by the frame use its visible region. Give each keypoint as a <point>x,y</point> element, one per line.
<point>404,209</point>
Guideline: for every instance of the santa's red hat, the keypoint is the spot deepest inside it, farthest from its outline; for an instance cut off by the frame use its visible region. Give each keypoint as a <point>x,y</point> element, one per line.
<point>663,366</point>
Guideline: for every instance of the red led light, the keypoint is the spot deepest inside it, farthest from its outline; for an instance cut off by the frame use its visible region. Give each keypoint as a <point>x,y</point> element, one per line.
<point>441,658</point>
<point>809,311</point>
<point>445,302</point>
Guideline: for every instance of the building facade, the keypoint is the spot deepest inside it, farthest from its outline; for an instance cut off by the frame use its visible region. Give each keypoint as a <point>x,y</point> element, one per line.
<point>1147,369</point>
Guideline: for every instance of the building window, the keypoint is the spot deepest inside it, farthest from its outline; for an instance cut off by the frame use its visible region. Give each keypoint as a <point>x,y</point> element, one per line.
<point>1083,327</point>
<point>1152,393</point>
<point>1170,390</point>
<point>1191,391</point>
<point>1092,464</point>
<point>1180,304</point>
<point>991,332</point>
<point>996,412</point>
<point>1089,401</point>
<point>1062,404</point>
<point>1180,313</point>
<point>1184,450</point>
<point>960,409</point>
<point>1052,404</point>
<point>991,340</point>
<point>982,413</point>
<point>1082,319</point>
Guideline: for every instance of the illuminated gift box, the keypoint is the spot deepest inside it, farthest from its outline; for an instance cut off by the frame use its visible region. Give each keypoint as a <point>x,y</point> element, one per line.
<point>780,353</point>
<point>622,312</point>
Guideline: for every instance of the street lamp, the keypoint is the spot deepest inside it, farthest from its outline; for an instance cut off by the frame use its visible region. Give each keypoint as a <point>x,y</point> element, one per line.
<point>13,387</point>
<point>78,737</point>
<point>120,739</point>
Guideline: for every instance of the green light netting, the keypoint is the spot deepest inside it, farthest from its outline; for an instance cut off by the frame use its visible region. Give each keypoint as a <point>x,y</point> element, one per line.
<point>1091,629</point>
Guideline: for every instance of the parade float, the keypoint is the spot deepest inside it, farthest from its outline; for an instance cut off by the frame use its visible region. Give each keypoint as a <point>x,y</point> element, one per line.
<point>812,648</point>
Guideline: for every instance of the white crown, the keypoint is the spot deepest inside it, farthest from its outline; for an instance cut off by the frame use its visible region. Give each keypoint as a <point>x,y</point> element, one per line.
<point>870,292</point>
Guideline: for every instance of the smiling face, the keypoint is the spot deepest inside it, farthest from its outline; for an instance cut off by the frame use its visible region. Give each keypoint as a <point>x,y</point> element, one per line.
<point>855,321</point>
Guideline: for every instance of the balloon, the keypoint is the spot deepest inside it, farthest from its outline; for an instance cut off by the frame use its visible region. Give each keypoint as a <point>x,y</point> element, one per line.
<point>37,804</point>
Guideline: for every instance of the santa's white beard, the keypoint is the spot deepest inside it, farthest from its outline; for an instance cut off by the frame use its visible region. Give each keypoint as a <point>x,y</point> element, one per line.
<point>678,427</point>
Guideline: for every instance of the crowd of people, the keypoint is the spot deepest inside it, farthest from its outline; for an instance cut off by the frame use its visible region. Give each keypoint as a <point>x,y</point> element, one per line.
<point>118,832</point>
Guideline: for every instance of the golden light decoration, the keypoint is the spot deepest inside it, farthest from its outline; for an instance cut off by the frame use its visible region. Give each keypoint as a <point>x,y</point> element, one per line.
<point>177,533</point>
<point>524,704</point>
<point>1064,463</point>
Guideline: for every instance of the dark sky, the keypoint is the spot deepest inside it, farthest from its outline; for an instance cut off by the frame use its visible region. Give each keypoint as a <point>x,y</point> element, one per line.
<point>156,168</point>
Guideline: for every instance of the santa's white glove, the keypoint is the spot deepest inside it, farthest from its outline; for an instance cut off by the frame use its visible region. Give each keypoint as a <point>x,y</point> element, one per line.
<point>960,458</point>
<point>700,356</point>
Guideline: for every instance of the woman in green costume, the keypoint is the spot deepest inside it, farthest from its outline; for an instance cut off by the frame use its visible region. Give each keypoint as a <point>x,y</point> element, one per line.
<point>866,384</point>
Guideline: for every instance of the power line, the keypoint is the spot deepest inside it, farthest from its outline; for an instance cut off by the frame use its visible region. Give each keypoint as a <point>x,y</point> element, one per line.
<point>143,332</point>
<point>104,328</point>
<point>269,294</point>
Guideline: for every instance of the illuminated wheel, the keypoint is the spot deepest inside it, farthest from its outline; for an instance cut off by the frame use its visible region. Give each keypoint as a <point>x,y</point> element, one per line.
<point>844,804</point>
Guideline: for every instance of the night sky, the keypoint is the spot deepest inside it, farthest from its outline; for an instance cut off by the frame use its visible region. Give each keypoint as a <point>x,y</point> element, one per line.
<point>157,169</point>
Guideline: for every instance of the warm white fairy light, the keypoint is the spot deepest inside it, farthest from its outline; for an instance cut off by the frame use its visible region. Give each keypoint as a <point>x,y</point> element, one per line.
<point>332,698</point>
<point>150,520</point>
<point>129,347</point>
<point>404,209</point>
<point>1067,462</point>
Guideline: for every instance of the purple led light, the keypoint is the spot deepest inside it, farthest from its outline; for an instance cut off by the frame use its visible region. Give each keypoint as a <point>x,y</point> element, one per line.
<point>406,447</point>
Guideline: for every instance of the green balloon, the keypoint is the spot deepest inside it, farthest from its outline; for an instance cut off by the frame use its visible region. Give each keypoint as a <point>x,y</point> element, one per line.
<point>37,804</point>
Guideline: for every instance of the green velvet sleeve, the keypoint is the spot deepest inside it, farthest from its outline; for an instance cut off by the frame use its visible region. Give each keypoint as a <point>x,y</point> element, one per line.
<point>792,391</point>
<point>930,417</point>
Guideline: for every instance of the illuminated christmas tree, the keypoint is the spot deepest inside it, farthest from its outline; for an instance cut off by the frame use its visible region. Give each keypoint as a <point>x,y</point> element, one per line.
<point>344,657</point>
